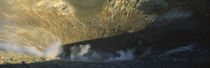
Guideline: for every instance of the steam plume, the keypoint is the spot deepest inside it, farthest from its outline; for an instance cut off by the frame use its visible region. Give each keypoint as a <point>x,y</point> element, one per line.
<point>52,51</point>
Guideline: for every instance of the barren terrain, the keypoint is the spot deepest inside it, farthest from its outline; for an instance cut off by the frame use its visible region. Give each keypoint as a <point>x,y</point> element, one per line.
<point>104,34</point>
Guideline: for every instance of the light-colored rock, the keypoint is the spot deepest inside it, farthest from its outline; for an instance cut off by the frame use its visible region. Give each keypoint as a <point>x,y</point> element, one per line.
<point>49,59</point>
<point>1,62</point>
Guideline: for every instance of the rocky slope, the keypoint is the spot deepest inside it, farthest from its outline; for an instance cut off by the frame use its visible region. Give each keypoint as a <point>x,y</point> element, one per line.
<point>69,22</point>
<point>151,26</point>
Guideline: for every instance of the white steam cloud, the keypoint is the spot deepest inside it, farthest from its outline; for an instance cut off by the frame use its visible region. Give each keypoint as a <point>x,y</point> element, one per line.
<point>52,51</point>
<point>78,53</point>
<point>124,55</point>
<point>83,53</point>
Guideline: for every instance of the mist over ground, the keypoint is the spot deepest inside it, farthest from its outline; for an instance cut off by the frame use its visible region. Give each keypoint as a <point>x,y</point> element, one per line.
<point>104,33</point>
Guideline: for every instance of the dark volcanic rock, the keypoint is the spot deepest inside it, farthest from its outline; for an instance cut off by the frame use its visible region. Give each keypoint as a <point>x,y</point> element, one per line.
<point>161,31</point>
